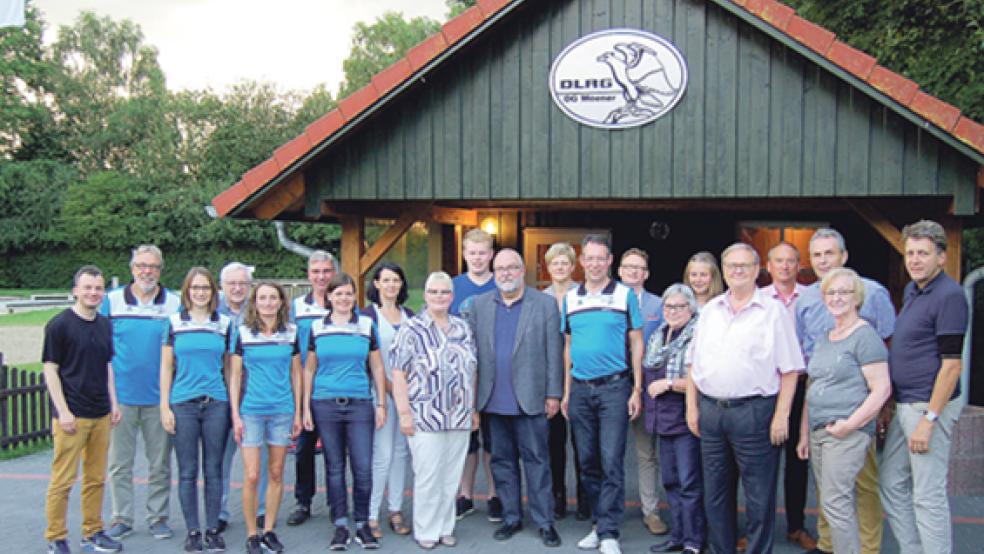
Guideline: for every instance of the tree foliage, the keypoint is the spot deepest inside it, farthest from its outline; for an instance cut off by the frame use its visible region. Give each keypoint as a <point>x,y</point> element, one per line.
<point>376,46</point>
<point>455,7</point>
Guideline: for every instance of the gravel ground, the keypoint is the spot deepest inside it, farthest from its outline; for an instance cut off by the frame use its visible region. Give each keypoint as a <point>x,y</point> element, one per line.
<point>21,344</point>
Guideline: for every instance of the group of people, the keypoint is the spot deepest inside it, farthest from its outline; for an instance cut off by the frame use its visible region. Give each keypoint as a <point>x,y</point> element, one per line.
<point>714,384</point>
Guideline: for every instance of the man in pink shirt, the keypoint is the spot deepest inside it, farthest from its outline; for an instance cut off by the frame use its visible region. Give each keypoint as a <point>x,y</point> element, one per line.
<point>745,361</point>
<point>783,264</point>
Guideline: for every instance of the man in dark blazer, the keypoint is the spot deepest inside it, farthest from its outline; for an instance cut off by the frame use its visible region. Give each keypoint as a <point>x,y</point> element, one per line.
<point>520,383</point>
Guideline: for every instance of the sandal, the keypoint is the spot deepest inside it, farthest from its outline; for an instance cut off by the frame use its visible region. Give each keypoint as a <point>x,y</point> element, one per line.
<point>374,528</point>
<point>397,525</point>
<point>449,541</point>
<point>427,545</point>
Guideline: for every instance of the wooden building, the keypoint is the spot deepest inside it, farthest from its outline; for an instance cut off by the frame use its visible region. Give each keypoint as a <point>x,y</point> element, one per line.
<point>782,128</point>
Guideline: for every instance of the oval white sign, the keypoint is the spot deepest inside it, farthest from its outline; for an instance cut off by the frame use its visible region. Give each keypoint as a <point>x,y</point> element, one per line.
<point>618,78</point>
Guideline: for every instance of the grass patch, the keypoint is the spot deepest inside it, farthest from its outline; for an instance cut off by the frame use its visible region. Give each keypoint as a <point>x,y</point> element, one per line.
<point>28,319</point>
<point>26,293</point>
<point>36,367</point>
<point>25,450</point>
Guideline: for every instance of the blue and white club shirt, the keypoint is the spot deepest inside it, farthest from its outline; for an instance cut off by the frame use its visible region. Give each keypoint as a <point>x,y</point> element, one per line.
<point>199,352</point>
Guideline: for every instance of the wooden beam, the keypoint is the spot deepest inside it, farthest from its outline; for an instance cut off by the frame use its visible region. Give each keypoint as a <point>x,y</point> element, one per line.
<point>390,236</point>
<point>879,222</point>
<point>281,198</point>
<point>353,246</point>
<point>454,216</point>
<point>954,252</point>
<point>393,210</point>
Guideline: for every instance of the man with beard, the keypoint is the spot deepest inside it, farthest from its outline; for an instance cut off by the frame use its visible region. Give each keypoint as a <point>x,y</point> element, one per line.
<point>520,382</point>
<point>139,313</point>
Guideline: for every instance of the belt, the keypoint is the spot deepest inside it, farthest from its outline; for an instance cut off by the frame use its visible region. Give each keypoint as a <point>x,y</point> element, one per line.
<point>732,402</point>
<point>606,379</point>
<point>823,425</point>
<point>344,400</point>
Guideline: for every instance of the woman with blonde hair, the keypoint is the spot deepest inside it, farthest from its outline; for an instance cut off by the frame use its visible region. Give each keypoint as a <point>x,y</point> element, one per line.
<point>703,276</point>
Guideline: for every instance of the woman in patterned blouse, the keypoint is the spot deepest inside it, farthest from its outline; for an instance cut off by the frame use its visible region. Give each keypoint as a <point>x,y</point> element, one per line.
<point>434,373</point>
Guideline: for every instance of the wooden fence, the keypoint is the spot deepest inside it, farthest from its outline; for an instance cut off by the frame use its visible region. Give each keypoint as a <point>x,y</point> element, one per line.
<point>25,412</point>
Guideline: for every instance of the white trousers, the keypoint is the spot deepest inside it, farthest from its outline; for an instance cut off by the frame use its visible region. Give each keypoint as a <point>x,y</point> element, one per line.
<point>389,464</point>
<point>438,461</point>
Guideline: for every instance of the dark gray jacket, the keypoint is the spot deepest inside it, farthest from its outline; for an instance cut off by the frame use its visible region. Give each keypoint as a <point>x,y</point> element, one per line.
<point>538,355</point>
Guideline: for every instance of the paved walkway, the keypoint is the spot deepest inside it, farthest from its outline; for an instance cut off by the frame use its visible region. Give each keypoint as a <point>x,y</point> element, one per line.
<point>24,481</point>
<point>21,344</point>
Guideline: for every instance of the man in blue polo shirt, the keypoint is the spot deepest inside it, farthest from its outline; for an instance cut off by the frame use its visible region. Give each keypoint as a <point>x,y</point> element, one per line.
<point>304,310</point>
<point>925,365</point>
<point>139,313</point>
<point>602,385</point>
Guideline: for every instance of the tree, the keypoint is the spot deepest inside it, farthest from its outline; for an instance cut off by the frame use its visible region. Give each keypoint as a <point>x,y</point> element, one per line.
<point>455,7</point>
<point>375,47</point>
<point>31,194</point>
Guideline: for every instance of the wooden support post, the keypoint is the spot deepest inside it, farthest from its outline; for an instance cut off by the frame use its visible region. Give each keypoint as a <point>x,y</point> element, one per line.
<point>954,238</point>
<point>391,235</point>
<point>435,247</point>
<point>353,247</point>
<point>879,222</point>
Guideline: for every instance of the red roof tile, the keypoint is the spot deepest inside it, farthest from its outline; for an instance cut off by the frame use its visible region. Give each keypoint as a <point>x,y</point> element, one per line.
<point>491,7</point>
<point>353,104</point>
<point>228,199</point>
<point>939,112</point>
<point>972,133</point>
<point>776,13</point>
<point>457,28</point>
<point>897,87</point>
<point>387,79</point>
<point>815,37</point>
<point>324,126</point>
<point>427,50</point>
<point>852,59</point>
<point>297,147</point>
<point>260,175</point>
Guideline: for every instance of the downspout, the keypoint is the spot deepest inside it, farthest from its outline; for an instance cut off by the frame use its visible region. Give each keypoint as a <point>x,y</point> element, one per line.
<point>969,282</point>
<point>290,245</point>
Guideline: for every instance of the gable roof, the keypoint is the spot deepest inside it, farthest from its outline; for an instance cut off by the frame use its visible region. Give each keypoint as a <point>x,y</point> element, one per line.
<point>777,20</point>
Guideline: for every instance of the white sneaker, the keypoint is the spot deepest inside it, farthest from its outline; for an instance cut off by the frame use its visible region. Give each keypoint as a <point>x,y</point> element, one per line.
<point>609,546</point>
<point>589,542</point>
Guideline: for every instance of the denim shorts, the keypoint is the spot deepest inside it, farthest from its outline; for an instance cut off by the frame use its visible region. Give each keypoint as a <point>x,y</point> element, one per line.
<point>273,430</point>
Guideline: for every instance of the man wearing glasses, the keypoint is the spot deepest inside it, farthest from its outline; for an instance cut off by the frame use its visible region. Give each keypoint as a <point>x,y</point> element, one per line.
<point>744,365</point>
<point>138,312</point>
<point>602,385</point>
<point>520,382</point>
<point>828,252</point>
<point>633,270</point>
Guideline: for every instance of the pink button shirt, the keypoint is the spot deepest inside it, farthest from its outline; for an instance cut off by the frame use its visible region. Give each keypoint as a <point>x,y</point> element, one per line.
<point>788,303</point>
<point>744,353</point>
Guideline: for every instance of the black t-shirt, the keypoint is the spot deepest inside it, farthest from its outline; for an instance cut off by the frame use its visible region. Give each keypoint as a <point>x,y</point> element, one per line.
<point>82,349</point>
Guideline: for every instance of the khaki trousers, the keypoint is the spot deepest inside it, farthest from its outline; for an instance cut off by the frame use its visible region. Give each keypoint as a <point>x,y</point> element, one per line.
<point>870,523</point>
<point>89,443</point>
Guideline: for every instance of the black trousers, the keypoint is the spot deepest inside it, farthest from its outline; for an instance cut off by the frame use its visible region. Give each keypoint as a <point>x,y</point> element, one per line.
<point>558,461</point>
<point>304,467</point>
<point>796,471</point>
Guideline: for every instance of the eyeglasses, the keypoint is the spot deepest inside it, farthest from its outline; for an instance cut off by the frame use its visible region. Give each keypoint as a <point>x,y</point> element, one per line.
<point>634,267</point>
<point>147,267</point>
<point>438,292</point>
<point>676,307</point>
<point>839,292</point>
<point>738,267</point>
<point>595,259</point>
<point>515,268</point>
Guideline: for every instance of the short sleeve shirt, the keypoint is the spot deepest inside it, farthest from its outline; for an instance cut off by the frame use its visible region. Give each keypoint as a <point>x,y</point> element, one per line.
<point>199,355</point>
<point>266,369</point>
<point>138,332</point>
<point>837,385</point>
<point>936,310</point>
<point>82,349</point>
<point>598,324</point>
<point>342,352</point>
<point>813,320</point>
<point>303,312</point>
<point>464,288</point>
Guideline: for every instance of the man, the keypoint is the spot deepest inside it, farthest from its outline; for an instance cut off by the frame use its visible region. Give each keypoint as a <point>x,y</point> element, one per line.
<point>236,281</point>
<point>633,270</point>
<point>139,313</point>
<point>925,365</point>
<point>476,248</point>
<point>745,363</point>
<point>782,264</point>
<point>828,251</point>
<point>520,382</point>
<point>78,347</point>
<point>303,311</point>
<point>602,385</point>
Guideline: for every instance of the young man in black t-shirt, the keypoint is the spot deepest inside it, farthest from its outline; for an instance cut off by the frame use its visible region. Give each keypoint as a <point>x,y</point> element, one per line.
<point>78,347</point>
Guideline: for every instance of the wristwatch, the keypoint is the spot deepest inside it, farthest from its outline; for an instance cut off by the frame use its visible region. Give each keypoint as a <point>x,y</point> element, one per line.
<point>669,383</point>
<point>931,416</point>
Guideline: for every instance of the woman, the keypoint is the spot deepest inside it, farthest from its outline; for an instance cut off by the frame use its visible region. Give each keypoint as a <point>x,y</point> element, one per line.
<point>665,372</point>
<point>703,276</point>
<point>338,400</point>
<point>434,384</point>
<point>387,293</point>
<point>265,348</point>
<point>848,385</point>
<point>195,402</point>
<point>561,259</point>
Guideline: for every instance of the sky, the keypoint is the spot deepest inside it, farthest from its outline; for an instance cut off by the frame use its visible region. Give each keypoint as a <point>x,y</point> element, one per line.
<point>296,44</point>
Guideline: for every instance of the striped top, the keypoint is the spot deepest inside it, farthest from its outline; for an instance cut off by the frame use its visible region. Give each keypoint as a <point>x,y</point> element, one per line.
<point>440,371</point>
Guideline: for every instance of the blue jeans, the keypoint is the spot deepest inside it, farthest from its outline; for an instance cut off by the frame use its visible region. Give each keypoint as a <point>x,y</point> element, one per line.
<point>346,428</point>
<point>200,422</point>
<point>230,452</point>
<point>600,420</point>
<point>679,458</point>
<point>515,437</point>
<point>734,441</point>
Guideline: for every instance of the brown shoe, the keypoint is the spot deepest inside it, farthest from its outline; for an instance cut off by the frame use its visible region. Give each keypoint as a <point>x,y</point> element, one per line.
<point>802,539</point>
<point>741,544</point>
<point>655,525</point>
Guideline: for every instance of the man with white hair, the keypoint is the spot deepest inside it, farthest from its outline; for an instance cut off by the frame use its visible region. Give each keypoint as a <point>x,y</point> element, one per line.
<point>139,312</point>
